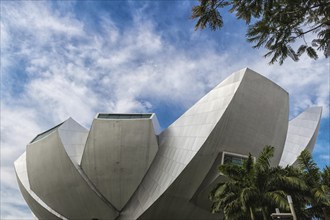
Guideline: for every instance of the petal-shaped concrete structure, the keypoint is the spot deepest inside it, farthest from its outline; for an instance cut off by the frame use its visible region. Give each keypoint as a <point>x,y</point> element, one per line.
<point>302,134</point>
<point>38,207</point>
<point>123,168</point>
<point>56,180</point>
<point>118,153</point>
<point>233,118</point>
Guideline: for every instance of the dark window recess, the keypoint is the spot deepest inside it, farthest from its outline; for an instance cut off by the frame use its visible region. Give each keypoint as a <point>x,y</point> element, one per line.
<point>43,134</point>
<point>233,159</point>
<point>123,116</point>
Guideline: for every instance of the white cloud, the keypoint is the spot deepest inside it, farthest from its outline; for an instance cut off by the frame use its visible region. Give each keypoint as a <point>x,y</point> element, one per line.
<point>69,71</point>
<point>18,127</point>
<point>40,21</point>
<point>13,206</point>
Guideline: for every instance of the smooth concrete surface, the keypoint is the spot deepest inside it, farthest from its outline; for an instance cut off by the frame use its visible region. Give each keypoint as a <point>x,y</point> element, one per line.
<point>73,137</point>
<point>124,168</point>
<point>213,177</point>
<point>257,116</point>
<point>54,178</point>
<point>302,134</point>
<point>178,145</point>
<point>38,210</point>
<point>37,206</point>
<point>118,154</point>
<point>241,115</point>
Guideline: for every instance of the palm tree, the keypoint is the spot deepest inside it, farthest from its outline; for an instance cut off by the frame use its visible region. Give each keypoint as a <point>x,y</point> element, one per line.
<point>253,190</point>
<point>318,182</point>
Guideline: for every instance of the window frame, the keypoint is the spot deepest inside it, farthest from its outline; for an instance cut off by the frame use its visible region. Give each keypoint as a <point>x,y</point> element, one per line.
<point>235,155</point>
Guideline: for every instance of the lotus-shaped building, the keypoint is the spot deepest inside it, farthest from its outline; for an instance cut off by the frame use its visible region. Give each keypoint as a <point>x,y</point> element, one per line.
<point>124,168</point>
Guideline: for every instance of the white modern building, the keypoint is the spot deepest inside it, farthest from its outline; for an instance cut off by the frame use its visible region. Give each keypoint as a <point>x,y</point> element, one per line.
<point>125,168</point>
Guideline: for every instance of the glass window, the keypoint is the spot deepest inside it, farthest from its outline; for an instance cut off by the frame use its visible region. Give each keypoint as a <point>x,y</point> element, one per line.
<point>234,159</point>
<point>44,134</point>
<point>123,116</point>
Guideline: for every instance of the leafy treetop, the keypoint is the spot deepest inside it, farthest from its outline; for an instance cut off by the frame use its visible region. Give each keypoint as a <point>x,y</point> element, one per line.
<point>274,24</point>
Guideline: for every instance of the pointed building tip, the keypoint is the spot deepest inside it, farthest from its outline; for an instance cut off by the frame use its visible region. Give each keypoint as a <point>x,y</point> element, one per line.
<point>250,72</point>
<point>71,122</point>
<point>244,70</point>
<point>240,72</point>
<point>315,110</point>
<point>313,113</point>
<point>19,159</point>
<point>70,119</point>
<point>312,109</point>
<point>247,70</point>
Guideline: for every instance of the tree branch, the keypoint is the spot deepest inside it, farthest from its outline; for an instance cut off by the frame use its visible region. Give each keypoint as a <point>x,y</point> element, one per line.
<point>303,33</point>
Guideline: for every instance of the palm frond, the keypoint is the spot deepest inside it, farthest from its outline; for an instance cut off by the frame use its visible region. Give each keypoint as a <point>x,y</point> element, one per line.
<point>263,161</point>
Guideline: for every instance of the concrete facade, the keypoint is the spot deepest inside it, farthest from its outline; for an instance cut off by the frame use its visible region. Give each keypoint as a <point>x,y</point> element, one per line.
<point>302,134</point>
<point>56,180</point>
<point>123,168</point>
<point>118,154</point>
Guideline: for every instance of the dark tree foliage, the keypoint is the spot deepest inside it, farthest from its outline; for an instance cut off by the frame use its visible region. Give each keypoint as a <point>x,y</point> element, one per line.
<point>253,191</point>
<point>318,182</point>
<point>274,24</point>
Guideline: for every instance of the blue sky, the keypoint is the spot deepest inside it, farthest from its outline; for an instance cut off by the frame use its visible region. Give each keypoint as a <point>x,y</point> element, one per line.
<point>68,58</point>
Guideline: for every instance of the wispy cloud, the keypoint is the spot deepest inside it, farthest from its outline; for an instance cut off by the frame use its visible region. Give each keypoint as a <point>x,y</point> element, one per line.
<point>54,67</point>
